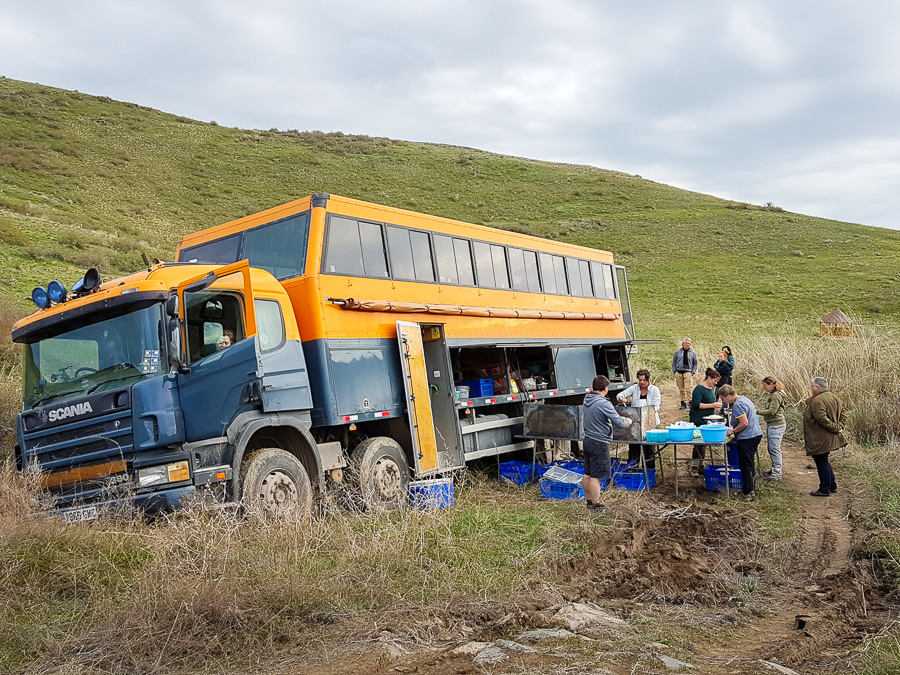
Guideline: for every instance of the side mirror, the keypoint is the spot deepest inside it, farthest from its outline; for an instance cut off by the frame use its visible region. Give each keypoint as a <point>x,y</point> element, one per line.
<point>175,344</point>
<point>172,306</point>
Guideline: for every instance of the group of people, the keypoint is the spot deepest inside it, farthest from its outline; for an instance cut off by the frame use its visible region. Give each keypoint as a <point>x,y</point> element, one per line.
<point>823,421</point>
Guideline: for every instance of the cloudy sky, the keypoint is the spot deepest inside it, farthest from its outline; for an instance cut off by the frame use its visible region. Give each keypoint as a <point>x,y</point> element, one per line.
<point>782,101</point>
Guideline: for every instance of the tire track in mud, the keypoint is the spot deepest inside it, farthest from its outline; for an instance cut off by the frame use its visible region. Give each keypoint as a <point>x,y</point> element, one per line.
<point>826,606</point>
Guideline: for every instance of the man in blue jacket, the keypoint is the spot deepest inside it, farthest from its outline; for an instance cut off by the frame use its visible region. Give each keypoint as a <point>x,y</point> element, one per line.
<point>599,418</point>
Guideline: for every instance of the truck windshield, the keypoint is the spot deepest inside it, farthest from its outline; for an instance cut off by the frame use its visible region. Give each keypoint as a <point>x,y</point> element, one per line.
<point>108,353</point>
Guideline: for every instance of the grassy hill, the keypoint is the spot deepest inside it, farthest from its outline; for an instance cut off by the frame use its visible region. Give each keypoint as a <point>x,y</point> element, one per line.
<point>85,180</point>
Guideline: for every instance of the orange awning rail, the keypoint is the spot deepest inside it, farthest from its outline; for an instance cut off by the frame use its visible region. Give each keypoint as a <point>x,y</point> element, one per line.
<point>465,310</point>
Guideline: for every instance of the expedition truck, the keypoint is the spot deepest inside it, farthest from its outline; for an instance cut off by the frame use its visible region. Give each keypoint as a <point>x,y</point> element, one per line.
<point>288,346</point>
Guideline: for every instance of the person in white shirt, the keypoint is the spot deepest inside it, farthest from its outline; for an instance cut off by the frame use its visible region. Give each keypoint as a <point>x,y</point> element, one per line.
<point>641,395</point>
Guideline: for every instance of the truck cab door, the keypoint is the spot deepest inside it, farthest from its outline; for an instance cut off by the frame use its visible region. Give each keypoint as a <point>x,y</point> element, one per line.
<point>282,365</point>
<point>430,398</point>
<point>217,384</point>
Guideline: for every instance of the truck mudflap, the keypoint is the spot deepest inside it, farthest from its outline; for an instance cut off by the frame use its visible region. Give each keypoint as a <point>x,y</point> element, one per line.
<point>151,503</point>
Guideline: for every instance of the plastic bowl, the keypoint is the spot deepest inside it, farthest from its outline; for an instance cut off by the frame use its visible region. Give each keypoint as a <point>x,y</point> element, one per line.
<point>681,434</point>
<point>714,433</point>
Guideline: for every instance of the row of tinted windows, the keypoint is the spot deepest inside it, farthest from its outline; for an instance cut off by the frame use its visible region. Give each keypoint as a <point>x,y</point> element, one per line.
<point>360,248</point>
<point>278,247</point>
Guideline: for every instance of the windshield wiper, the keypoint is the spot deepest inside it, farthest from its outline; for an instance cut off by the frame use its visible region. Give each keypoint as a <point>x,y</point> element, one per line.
<point>50,397</point>
<point>118,378</point>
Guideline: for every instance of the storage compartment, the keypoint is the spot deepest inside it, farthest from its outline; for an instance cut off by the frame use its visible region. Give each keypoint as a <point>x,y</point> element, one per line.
<point>612,361</point>
<point>479,434</point>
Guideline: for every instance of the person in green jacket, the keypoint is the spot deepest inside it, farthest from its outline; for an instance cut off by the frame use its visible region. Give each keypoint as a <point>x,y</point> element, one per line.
<point>772,411</point>
<point>823,431</point>
<point>703,403</point>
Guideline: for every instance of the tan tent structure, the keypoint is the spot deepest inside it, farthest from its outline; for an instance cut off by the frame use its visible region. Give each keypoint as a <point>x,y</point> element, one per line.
<point>836,324</point>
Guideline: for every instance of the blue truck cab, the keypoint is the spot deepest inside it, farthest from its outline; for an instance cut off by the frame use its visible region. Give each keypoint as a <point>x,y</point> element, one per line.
<point>140,390</point>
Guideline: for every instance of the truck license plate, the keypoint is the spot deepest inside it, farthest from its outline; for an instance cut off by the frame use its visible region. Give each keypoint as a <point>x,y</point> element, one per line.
<point>81,515</point>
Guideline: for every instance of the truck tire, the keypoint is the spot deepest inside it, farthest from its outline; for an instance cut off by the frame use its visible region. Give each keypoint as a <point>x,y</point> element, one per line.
<point>274,483</point>
<point>380,471</point>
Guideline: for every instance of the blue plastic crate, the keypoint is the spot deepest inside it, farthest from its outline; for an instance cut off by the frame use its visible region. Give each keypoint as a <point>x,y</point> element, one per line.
<point>552,489</point>
<point>715,477</point>
<point>577,467</point>
<point>519,473</point>
<point>634,479</point>
<point>620,464</point>
<point>436,493</point>
<point>478,388</point>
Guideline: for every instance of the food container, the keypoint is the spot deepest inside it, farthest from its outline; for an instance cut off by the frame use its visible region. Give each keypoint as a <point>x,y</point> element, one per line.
<point>714,433</point>
<point>681,434</point>
<point>657,436</point>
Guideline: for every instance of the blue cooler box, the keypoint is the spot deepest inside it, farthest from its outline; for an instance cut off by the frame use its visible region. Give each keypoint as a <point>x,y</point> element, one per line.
<point>432,494</point>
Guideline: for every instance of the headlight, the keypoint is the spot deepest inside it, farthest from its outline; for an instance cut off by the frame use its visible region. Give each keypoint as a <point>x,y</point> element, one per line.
<point>165,473</point>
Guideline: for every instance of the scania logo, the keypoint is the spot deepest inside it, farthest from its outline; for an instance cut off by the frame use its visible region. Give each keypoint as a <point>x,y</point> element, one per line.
<point>69,411</point>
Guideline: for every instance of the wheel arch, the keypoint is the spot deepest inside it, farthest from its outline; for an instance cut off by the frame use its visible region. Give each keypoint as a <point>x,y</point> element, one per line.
<point>254,431</point>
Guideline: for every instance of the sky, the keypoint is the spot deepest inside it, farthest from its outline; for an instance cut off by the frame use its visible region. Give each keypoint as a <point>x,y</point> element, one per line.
<point>788,102</point>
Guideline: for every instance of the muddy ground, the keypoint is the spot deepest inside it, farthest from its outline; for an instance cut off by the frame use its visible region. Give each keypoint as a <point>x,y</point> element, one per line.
<point>689,579</point>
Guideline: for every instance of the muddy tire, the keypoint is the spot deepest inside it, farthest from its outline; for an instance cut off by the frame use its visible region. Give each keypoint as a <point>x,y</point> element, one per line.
<point>275,484</point>
<point>381,473</point>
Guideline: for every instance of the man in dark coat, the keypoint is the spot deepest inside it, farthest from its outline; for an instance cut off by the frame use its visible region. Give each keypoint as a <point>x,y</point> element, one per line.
<point>823,427</point>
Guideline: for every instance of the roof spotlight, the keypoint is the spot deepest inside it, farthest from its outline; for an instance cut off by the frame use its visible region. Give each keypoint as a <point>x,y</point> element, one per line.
<point>88,283</point>
<point>40,297</point>
<point>56,291</point>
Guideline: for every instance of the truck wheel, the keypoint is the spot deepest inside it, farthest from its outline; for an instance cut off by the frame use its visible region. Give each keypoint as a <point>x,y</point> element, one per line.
<point>381,472</point>
<point>274,483</point>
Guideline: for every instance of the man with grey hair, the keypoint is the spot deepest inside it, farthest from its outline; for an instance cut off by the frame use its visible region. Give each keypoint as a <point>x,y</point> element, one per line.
<point>823,431</point>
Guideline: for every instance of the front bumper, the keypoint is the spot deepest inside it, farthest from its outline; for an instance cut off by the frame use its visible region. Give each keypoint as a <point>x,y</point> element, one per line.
<point>150,503</point>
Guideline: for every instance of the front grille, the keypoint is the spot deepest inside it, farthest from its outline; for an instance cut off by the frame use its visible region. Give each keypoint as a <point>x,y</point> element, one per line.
<point>72,434</point>
<point>95,445</point>
<point>98,440</point>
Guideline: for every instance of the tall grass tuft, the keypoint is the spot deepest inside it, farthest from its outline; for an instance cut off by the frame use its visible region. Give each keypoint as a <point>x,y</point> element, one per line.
<point>864,371</point>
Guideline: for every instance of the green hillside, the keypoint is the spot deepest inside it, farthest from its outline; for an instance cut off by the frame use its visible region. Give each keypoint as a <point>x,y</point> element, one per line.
<point>85,180</point>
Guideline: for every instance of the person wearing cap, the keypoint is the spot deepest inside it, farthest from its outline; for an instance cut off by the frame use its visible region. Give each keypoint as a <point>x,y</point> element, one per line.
<point>823,432</point>
<point>684,366</point>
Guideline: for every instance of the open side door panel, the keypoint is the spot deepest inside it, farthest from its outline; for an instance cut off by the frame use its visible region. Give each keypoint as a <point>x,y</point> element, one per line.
<point>430,397</point>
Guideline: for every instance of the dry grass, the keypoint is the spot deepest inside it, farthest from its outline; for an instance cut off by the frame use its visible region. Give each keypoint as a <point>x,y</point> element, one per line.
<point>204,585</point>
<point>864,371</point>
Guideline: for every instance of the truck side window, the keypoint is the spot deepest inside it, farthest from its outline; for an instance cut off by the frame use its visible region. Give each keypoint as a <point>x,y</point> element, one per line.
<point>209,315</point>
<point>269,324</point>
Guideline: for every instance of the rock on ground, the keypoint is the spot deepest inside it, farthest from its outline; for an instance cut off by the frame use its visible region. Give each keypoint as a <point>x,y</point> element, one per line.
<point>490,655</point>
<point>577,615</point>
<point>547,634</point>
<point>670,663</point>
